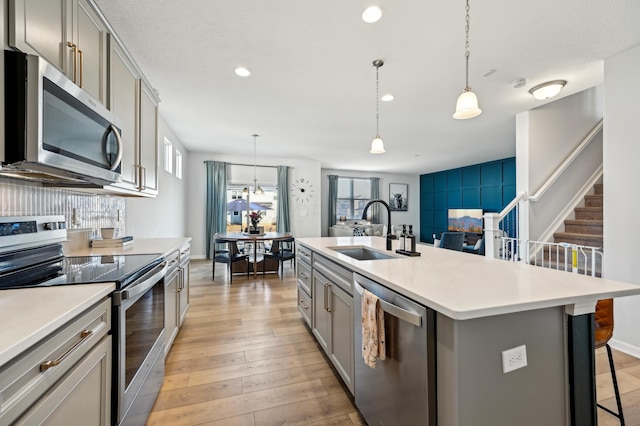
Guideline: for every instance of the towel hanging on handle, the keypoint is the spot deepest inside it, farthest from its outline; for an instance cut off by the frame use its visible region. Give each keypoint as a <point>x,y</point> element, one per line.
<point>373,338</point>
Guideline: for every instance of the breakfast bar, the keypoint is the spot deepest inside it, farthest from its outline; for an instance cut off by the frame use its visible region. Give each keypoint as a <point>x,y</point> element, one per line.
<point>483,308</point>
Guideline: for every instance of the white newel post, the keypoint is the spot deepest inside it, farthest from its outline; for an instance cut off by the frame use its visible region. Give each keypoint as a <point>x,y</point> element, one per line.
<point>491,234</point>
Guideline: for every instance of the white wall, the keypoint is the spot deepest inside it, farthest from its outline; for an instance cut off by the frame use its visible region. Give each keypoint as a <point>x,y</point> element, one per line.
<point>621,195</point>
<point>545,137</point>
<point>411,216</point>
<point>305,218</point>
<point>165,215</point>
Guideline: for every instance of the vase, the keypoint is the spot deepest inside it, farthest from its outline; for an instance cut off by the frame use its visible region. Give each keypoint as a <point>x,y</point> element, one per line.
<point>254,226</point>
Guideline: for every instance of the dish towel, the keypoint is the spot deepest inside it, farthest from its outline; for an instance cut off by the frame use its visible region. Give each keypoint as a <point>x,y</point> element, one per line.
<point>373,340</point>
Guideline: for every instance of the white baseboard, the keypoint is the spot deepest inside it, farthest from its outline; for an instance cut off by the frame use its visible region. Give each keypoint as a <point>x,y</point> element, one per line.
<point>198,256</point>
<point>625,347</point>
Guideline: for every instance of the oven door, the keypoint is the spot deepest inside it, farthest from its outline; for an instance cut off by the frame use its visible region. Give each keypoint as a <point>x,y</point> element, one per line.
<point>138,346</point>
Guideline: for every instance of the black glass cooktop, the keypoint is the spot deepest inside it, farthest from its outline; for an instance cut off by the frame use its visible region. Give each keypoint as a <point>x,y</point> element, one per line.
<point>121,269</point>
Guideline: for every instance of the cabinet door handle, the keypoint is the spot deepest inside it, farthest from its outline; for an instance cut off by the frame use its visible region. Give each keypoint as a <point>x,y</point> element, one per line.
<point>303,275</point>
<point>75,59</point>
<point>81,64</point>
<point>48,364</point>
<point>144,177</point>
<point>304,306</point>
<point>327,287</point>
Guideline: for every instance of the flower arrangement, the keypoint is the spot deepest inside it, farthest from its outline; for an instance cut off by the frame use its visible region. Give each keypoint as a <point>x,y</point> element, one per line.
<point>255,217</point>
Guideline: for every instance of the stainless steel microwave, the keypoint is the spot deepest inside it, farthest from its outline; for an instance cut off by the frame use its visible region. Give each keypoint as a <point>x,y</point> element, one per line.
<point>54,130</point>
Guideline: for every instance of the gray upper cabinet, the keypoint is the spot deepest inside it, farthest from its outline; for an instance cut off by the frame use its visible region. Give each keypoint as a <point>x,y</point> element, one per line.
<point>90,39</point>
<point>123,102</point>
<point>67,33</point>
<point>40,27</point>
<point>148,140</point>
<point>136,105</point>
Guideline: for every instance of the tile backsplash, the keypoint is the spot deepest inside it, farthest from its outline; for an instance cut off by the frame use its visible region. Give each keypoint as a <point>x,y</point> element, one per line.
<point>82,211</point>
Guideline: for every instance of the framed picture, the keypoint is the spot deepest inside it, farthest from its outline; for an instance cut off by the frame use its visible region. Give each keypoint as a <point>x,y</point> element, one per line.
<point>399,197</point>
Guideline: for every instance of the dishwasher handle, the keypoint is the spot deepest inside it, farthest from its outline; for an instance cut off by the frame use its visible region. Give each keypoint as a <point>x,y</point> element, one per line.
<point>396,311</point>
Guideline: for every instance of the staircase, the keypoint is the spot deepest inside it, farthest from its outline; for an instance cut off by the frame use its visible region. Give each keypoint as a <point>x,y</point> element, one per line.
<point>584,230</point>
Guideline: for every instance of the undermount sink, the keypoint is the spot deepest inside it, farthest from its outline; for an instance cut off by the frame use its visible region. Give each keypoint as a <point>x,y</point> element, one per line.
<point>362,253</point>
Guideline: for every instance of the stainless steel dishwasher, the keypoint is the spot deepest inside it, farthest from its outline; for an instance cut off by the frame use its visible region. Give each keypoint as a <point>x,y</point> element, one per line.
<point>401,390</point>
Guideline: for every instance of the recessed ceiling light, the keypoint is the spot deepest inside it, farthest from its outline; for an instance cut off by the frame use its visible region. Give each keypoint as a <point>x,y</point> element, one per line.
<point>242,72</point>
<point>371,14</point>
<point>388,97</point>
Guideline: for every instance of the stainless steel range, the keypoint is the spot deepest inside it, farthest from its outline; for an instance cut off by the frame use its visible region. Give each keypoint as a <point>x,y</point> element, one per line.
<point>31,255</point>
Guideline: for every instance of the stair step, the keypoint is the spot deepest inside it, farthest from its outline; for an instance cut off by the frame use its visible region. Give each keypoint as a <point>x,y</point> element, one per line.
<point>583,226</point>
<point>579,239</point>
<point>599,188</point>
<point>593,200</point>
<point>588,213</point>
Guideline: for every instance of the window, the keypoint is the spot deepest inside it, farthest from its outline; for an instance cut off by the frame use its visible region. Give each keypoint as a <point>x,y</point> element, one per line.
<point>237,208</point>
<point>178,164</point>
<point>353,195</point>
<point>168,156</point>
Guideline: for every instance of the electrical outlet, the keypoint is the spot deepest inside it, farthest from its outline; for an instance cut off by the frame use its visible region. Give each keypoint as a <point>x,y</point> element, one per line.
<point>514,358</point>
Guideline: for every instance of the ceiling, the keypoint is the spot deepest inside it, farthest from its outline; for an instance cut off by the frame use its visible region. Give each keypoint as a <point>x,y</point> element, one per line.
<point>311,94</point>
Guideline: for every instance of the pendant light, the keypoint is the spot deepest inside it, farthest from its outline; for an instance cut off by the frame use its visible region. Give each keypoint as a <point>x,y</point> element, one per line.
<point>256,189</point>
<point>467,104</point>
<point>377,146</point>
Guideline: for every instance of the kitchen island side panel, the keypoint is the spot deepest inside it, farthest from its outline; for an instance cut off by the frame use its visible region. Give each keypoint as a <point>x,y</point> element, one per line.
<point>473,390</point>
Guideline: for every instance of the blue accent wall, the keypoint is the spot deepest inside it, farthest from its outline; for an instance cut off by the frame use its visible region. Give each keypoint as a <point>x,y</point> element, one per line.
<point>489,186</point>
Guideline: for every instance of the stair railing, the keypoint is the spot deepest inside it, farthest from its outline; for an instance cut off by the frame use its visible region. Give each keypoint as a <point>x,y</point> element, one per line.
<point>502,230</point>
<point>579,259</point>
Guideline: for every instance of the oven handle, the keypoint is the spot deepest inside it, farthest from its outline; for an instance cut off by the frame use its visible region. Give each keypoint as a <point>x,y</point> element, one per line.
<point>141,287</point>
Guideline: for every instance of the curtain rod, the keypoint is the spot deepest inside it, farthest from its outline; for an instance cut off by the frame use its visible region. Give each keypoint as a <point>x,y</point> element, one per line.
<point>247,165</point>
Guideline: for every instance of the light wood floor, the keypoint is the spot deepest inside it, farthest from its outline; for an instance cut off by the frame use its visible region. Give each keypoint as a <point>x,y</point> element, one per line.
<point>244,357</point>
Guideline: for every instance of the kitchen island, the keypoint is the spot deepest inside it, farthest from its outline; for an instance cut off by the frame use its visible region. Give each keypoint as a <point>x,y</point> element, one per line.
<point>482,308</point>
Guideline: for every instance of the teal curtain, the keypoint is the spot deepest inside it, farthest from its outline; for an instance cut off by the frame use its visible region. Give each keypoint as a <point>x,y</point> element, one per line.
<point>375,195</point>
<point>282,221</point>
<point>333,199</point>
<point>216,214</point>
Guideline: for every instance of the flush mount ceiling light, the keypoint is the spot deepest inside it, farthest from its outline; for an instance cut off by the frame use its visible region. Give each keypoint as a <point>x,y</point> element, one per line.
<point>547,90</point>
<point>377,146</point>
<point>372,14</point>
<point>387,98</point>
<point>242,72</point>
<point>467,104</point>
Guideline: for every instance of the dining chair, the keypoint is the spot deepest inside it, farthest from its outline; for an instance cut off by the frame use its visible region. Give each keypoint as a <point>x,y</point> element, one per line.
<point>282,250</point>
<point>452,240</point>
<point>229,256</point>
<point>603,319</point>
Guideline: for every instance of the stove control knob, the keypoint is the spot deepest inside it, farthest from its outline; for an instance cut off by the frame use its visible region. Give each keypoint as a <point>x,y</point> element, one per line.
<point>50,226</point>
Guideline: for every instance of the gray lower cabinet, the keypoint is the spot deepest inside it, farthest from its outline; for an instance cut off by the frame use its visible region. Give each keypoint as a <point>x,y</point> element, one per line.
<point>304,290</point>
<point>183,293</point>
<point>332,313</point>
<point>65,378</point>
<point>83,396</point>
<point>176,293</point>
<point>171,291</point>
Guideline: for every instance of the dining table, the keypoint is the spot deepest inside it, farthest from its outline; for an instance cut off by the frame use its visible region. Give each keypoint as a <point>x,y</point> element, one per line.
<point>250,238</point>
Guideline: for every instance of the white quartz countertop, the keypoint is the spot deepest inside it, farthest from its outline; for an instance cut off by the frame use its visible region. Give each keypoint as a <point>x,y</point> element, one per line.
<point>464,286</point>
<point>161,246</point>
<point>28,315</point>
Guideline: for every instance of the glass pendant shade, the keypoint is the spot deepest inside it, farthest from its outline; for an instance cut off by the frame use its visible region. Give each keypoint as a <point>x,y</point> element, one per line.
<point>467,105</point>
<point>377,146</point>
